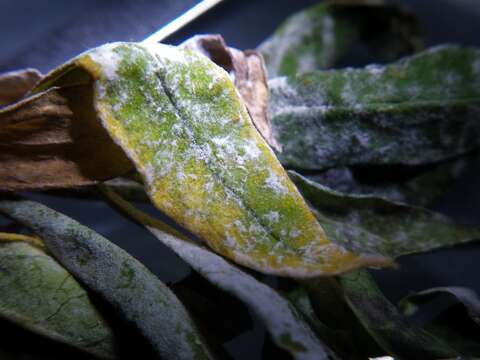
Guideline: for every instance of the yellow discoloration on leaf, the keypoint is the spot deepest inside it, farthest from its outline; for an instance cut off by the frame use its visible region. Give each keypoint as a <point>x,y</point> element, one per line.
<point>180,120</point>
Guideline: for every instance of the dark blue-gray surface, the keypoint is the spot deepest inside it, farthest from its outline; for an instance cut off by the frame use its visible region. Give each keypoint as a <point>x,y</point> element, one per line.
<point>43,34</point>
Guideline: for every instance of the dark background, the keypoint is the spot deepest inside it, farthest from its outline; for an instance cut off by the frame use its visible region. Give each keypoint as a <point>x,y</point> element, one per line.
<point>43,34</point>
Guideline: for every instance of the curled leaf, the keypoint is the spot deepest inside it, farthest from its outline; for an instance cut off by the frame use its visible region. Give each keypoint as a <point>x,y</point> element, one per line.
<point>388,327</point>
<point>16,84</point>
<point>179,118</point>
<point>41,296</point>
<point>117,277</point>
<point>248,72</point>
<point>286,326</point>
<point>371,224</point>
<point>321,36</point>
<point>48,141</point>
<point>419,110</point>
<point>467,297</point>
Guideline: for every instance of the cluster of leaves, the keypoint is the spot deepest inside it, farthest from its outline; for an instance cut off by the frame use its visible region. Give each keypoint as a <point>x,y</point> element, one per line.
<point>191,130</point>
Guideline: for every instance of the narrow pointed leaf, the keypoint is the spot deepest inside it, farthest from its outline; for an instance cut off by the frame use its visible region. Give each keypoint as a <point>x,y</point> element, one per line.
<point>39,295</point>
<point>180,120</point>
<point>419,110</point>
<point>415,185</point>
<point>369,223</point>
<point>321,36</point>
<point>386,324</point>
<point>117,277</point>
<point>286,326</point>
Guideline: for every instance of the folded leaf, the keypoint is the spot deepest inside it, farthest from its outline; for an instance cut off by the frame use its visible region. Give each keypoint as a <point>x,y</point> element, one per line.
<point>422,109</point>
<point>16,84</point>
<point>41,296</point>
<point>322,35</point>
<point>180,120</point>
<point>383,321</point>
<point>117,277</point>
<point>371,224</point>
<point>248,72</point>
<point>285,324</point>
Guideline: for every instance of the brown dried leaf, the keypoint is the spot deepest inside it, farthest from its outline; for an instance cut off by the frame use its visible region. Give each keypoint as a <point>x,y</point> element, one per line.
<point>248,71</point>
<point>16,84</point>
<point>48,139</point>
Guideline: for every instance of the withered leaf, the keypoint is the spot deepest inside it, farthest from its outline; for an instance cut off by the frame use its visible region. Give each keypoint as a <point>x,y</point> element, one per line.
<point>16,84</point>
<point>54,140</point>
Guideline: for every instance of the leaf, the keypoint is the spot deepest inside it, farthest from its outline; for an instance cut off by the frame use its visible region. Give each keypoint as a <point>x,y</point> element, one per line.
<point>283,322</point>
<point>48,140</point>
<point>321,36</point>
<point>458,324</point>
<point>247,70</point>
<point>419,110</point>
<point>415,185</point>
<point>16,84</point>
<point>383,321</point>
<point>117,277</point>
<point>370,224</point>
<point>179,118</point>
<point>467,297</point>
<point>42,297</point>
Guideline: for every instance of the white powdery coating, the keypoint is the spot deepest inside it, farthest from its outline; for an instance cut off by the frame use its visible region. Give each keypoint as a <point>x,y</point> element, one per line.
<point>273,217</point>
<point>275,182</point>
<point>108,59</point>
<point>279,317</point>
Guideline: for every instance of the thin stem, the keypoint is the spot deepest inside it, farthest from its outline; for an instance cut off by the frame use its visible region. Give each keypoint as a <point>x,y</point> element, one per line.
<point>4,236</point>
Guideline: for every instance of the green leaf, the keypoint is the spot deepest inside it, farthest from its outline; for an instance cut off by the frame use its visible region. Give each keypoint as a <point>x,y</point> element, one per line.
<point>323,35</point>
<point>122,281</point>
<point>385,323</point>
<point>285,324</point>
<point>371,224</point>
<point>419,110</point>
<point>40,296</point>
<point>180,120</point>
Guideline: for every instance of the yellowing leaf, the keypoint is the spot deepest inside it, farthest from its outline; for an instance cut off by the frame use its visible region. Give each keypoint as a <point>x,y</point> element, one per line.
<point>181,121</point>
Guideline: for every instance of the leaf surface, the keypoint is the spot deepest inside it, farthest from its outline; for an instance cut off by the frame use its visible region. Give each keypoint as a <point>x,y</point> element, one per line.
<point>373,224</point>
<point>39,295</point>
<point>422,109</point>
<point>285,324</point>
<point>133,291</point>
<point>180,120</point>
<point>320,37</point>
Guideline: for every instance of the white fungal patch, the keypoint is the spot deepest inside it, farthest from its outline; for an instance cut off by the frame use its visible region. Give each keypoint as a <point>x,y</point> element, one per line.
<point>108,59</point>
<point>275,183</point>
<point>375,69</point>
<point>273,217</point>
